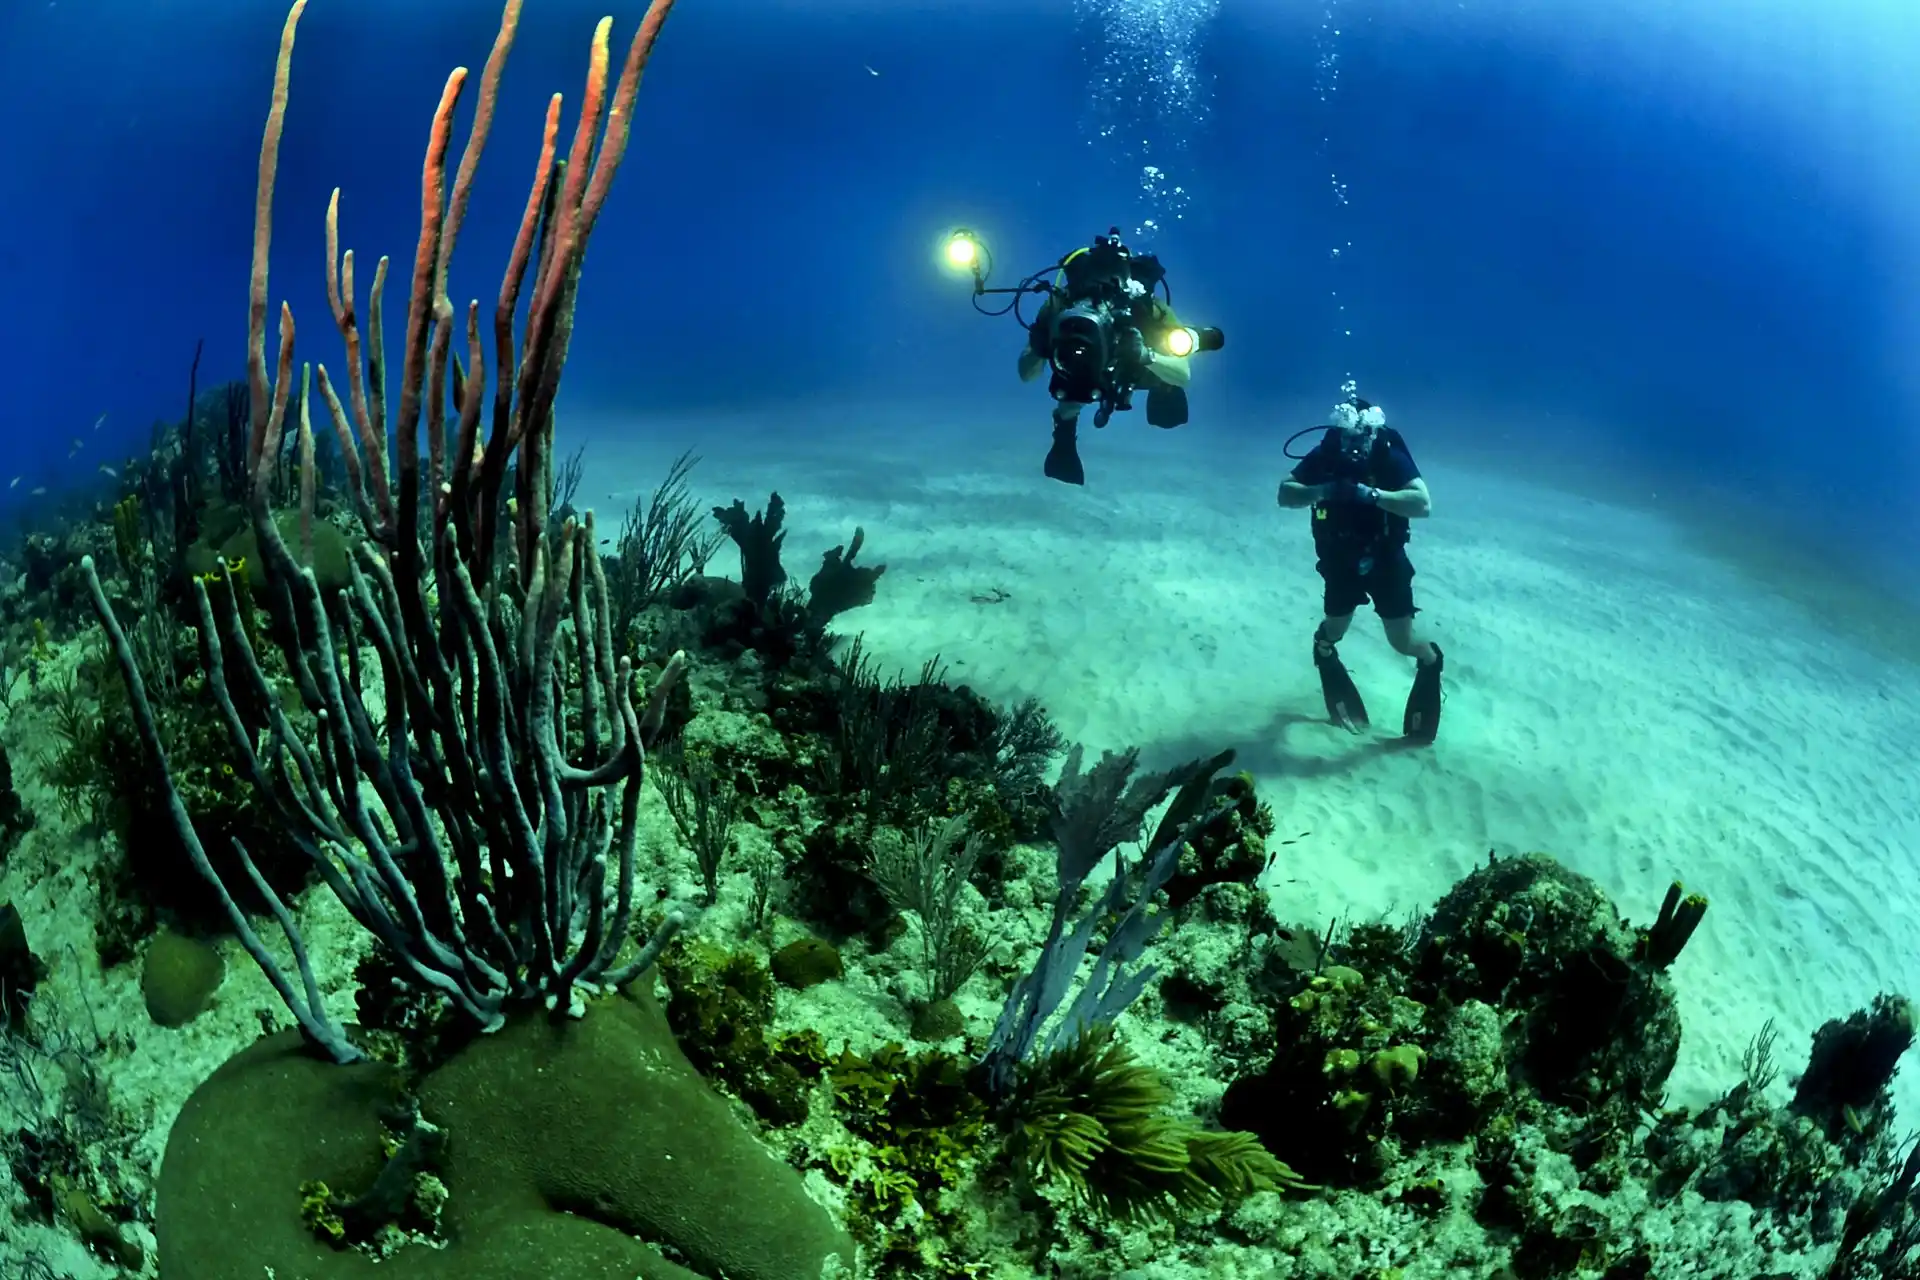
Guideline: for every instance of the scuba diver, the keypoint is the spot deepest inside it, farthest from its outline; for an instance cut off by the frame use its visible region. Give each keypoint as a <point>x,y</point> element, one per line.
<point>1104,333</point>
<point>1139,313</point>
<point>1364,489</point>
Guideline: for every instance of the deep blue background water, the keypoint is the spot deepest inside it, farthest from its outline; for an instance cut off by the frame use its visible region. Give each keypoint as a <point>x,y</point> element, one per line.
<point>1681,241</point>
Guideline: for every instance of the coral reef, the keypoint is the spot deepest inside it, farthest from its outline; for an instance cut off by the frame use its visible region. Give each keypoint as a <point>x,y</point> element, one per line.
<point>622,1159</point>
<point>682,937</point>
<point>914,1136</point>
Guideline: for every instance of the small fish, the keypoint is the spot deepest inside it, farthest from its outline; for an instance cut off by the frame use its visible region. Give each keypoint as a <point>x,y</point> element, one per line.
<point>871,71</point>
<point>14,483</point>
<point>78,445</point>
<point>38,491</point>
<point>97,421</point>
<point>109,472</point>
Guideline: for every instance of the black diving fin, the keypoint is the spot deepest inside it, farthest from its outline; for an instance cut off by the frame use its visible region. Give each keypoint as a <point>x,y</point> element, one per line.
<point>1344,706</point>
<point>1422,722</point>
<point>1063,459</point>
<point>1167,407</point>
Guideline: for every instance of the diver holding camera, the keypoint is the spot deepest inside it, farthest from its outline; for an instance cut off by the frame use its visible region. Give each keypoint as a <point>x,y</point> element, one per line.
<point>1103,332</point>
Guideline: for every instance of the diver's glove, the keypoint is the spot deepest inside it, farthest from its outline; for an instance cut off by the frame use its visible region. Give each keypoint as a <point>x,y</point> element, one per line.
<point>1352,491</point>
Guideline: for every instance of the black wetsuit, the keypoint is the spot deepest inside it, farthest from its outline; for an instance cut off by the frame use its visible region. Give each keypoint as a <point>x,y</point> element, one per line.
<point>1362,549</point>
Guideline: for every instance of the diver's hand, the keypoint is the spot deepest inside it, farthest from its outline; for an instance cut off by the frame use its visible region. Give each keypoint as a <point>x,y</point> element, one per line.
<point>1352,491</point>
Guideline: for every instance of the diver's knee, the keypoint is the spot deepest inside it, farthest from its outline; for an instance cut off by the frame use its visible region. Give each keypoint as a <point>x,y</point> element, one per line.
<point>1400,635</point>
<point>1171,371</point>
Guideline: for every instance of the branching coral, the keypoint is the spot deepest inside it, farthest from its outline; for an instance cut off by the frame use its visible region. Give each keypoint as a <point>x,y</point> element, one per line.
<point>473,814</point>
<point>926,876</point>
<point>1094,812</point>
<point>1680,914</point>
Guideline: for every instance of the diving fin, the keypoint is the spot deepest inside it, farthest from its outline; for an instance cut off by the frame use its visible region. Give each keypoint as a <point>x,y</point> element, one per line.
<point>1166,406</point>
<point>1422,720</point>
<point>1063,460</point>
<point>1344,706</point>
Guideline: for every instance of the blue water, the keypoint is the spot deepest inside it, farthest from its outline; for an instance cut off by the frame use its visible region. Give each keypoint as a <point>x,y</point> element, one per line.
<point>1679,241</point>
<point>1664,254</point>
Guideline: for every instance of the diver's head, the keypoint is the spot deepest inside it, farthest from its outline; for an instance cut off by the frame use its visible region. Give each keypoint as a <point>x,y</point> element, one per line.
<point>1099,271</point>
<point>1147,271</point>
<point>1355,412</point>
<point>1355,424</point>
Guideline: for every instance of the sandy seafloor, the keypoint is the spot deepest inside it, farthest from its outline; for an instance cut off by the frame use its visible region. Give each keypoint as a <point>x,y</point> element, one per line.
<point>1616,695</point>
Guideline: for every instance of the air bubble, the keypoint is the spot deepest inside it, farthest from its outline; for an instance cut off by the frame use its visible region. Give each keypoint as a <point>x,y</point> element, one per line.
<point>1326,88</point>
<point>1144,85</point>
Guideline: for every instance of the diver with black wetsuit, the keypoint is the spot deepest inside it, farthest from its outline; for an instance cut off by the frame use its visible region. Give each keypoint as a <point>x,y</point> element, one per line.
<point>1365,489</point>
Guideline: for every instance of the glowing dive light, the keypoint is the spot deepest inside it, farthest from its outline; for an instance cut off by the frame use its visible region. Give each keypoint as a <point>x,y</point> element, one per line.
<point>963,250</point>
<point>1184,341</point>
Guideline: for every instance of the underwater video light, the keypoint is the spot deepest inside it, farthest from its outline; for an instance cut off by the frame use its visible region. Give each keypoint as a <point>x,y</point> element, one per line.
<point>1184,341</point>
<point>963,249</point>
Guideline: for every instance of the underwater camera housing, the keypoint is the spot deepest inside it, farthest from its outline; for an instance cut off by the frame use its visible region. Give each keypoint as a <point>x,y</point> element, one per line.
<point>1093,337</point>
<point>1080,346</point>
<point>1094,341</point>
